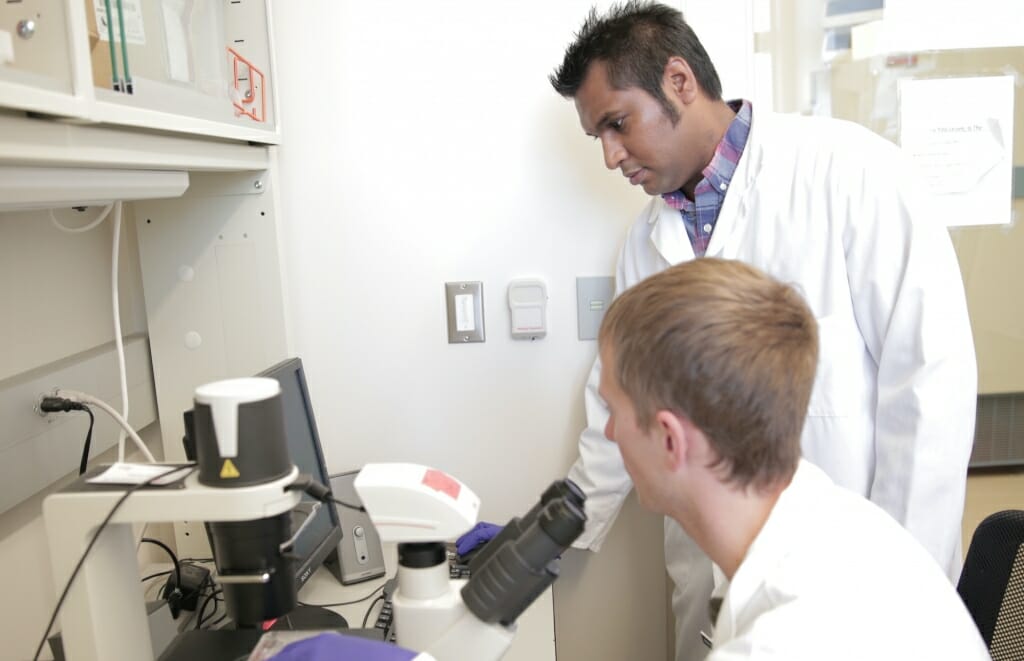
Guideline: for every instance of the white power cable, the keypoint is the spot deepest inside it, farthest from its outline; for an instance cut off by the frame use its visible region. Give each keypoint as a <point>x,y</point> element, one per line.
<point>85,398</point>
<point>118,340</point>
<point>84,228</point>
<point>116,304</point>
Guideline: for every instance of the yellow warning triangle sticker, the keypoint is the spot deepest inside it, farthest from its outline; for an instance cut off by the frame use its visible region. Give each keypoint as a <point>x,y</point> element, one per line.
<point>228,470</point>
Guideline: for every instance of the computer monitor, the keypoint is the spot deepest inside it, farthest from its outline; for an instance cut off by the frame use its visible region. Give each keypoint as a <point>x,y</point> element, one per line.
<point>321,536</point>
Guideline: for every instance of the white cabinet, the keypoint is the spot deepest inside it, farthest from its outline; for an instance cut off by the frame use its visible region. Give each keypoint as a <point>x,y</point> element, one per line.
<point>189,149</point>
<point>202,112</point>
<point>206,222</point>
<point>190,66</point>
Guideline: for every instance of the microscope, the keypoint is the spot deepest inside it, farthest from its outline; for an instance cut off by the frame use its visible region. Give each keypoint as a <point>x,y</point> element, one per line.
<point>246,486</point>
<point>243,483</point>
<point>456,619</point>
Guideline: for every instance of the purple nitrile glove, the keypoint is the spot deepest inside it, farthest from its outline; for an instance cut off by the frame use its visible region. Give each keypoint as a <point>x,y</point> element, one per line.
<point>478,535</point>
<point>332,646</point>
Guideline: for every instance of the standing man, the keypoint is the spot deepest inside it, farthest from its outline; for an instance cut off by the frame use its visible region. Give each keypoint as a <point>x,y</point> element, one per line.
<point>823,204</point>
<point>708,369</point>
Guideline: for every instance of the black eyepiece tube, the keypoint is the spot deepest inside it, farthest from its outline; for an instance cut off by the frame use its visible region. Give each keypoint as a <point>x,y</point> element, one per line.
<point>559,489</point>
<point>519,570</point>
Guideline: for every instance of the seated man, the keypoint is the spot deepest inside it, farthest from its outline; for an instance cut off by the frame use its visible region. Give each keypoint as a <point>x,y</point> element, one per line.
<point>708,369</point>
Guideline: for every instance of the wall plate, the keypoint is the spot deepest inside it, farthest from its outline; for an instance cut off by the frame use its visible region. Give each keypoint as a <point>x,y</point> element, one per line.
<point>465,302</point>
<point>593,296</point>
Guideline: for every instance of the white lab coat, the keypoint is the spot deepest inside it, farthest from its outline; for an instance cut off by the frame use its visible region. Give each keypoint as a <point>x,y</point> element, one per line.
<point>831,576</point>
<point>833,209</point>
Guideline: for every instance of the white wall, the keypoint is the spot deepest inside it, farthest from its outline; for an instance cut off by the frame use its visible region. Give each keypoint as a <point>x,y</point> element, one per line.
<point>726,30</point>
<point>55,287</point>
<point>422,143</point>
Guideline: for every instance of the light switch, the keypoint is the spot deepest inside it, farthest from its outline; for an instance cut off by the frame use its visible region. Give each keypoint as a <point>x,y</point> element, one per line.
<point>593,296</point>
<point>465,302</point>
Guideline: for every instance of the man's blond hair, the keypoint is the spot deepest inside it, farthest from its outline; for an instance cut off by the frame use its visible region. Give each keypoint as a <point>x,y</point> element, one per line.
<point>730,348</point>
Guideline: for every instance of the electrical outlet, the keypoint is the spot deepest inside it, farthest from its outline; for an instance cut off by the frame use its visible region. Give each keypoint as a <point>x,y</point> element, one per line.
<point>37,451</point>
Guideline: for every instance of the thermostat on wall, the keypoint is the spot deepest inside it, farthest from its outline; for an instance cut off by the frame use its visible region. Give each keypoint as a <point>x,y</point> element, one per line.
<point>528,301</point>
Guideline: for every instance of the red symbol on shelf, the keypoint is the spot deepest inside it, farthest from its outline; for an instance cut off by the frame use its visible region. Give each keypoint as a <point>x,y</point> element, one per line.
<point>248,94</point>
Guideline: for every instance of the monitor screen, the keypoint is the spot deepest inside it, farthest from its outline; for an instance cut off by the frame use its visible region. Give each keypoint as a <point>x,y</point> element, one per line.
<point>321,536</point>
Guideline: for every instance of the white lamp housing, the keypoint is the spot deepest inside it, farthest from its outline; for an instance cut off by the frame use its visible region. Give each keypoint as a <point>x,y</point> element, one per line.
<point>413,503</point>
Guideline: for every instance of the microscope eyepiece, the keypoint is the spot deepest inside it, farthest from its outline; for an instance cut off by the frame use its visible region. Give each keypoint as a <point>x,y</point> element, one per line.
<point>565,488</point>
<point>563,521</point>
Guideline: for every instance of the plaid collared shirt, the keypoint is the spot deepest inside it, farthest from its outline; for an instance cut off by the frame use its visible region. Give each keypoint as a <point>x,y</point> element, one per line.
<point>701,213</point>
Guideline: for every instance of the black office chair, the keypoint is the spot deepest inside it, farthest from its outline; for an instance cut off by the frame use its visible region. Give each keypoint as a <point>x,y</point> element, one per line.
<point>992,583</point>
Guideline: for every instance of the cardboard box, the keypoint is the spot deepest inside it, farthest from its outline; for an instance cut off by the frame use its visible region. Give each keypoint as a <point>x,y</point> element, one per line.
<point>99,50</point>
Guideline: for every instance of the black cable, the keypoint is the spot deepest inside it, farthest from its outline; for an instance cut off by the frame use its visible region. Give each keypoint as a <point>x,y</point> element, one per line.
<point>217,601</point>
<point>317,491</point>
<point>344,603</point>
<point>157,575</point>
<point>174,559</point>
<point>366,618</point>
<point>216,606</point>
<point>202,608</point>
<point>88,441</point>
<point>85,554</point>
<point>217,621</point>
<point>358,508</point>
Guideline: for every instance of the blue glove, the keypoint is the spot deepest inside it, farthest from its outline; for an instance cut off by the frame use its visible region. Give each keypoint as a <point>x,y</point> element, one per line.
<point>332,646</point>
<point>478,535</point>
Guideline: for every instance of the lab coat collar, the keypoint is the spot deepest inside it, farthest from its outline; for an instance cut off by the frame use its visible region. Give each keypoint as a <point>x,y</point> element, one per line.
<point>769,549</point>
<point>669,233</point>
<point>735,204</point>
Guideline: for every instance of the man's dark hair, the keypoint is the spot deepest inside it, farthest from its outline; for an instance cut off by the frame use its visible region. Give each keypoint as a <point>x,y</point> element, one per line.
<point>635,40</point>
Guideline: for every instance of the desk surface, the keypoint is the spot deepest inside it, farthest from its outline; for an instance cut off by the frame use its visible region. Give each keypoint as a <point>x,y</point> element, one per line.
<point>534,640</point>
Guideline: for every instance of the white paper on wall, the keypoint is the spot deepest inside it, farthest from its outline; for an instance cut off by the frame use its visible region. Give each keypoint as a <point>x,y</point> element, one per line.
<point>959,132</point>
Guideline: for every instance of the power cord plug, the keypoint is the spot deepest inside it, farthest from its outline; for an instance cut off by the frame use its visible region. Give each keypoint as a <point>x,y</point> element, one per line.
<point>54,404</point>
<point>305,483</point>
